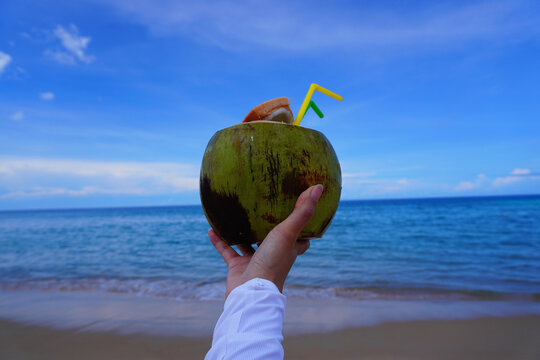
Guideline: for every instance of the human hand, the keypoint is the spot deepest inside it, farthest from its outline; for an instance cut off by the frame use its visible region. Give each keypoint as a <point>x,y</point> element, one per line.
<point>277,253</point>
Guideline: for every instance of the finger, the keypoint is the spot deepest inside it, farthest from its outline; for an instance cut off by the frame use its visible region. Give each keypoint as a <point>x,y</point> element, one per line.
<point>301,246</point>
<point>303,211</point>
<point>246,249</point>
<point>226,252</point>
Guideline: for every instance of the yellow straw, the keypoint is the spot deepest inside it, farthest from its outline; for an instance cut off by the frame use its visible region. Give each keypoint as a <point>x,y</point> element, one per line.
<point>305,104</point>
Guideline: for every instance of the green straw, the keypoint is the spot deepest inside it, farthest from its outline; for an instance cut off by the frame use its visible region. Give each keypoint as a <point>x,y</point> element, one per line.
<point>315,108</point>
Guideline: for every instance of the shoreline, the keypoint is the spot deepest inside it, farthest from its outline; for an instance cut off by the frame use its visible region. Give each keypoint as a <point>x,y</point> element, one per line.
<point>130,314</point>
<point>487,337</point>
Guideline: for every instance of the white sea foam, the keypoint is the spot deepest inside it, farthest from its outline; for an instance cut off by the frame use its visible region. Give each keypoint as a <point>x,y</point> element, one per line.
<point>182,290</point>
<point>164,288</point>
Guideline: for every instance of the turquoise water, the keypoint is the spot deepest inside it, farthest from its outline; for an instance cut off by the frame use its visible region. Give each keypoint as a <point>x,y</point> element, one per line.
<point>429,248</point>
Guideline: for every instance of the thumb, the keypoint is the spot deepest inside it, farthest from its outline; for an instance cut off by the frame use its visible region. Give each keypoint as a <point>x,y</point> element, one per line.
<point>290,228</point>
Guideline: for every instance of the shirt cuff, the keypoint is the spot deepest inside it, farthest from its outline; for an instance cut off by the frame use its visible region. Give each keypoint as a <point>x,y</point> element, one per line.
<point>254,284</point>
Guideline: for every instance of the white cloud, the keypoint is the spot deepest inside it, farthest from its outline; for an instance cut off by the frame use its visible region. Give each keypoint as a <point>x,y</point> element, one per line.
<point>403,182</point>
<point>374,187</point>
<point>464,186</point>
<point>516,176</point>
<point>481,180</point>
<point>293,26</point>
<point>5,59</point>
<point>506,180</point>
<point>74,44</point>
<point>60,57</point>
<point>46,95</point>
<point>18,116</point>
<point>25,177</point>
<point>358,174</point>
<point>86,190</point>
<point>518,171</point>
<point>483,183</point>
<point>361,183</point>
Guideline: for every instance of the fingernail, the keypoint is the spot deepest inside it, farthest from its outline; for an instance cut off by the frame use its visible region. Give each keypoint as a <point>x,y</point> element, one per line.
<point>316,192</point>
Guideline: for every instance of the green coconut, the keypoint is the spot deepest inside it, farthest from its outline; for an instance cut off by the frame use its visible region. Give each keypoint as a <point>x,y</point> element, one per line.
<point>253,173</point>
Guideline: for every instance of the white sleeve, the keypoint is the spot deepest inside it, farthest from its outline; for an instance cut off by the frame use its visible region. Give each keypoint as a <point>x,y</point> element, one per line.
<point>251,323</point>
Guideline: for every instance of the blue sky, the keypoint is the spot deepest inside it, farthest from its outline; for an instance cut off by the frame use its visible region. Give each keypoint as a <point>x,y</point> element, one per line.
<point>111,103</point>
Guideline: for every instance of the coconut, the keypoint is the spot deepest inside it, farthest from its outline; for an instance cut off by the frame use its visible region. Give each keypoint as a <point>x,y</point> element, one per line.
<point>253,173</point>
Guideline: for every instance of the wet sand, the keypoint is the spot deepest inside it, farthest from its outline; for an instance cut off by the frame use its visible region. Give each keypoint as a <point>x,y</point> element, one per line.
<point>128,314</point>
<point>485,338</point>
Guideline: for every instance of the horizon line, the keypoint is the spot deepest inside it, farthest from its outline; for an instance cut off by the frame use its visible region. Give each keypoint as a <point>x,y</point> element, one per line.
<point>199,204</point>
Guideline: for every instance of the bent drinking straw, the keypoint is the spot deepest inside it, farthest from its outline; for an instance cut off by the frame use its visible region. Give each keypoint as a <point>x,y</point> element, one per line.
<point>307,99</point>
<point>315,108</point>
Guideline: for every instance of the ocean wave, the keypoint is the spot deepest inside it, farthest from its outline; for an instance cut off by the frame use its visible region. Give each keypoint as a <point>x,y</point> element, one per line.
<point>166,288</point>
<point>182,290</point>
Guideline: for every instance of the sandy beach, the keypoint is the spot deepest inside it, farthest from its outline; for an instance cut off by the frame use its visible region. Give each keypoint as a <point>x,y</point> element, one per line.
<point>485,338</point>
<point>89,325</point>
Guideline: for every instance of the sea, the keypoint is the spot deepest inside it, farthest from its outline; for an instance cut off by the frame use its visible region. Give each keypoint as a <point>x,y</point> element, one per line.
<point>477,248</point>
